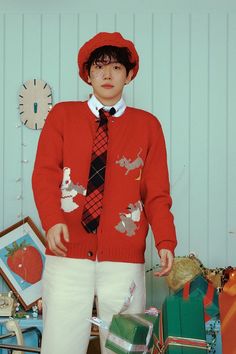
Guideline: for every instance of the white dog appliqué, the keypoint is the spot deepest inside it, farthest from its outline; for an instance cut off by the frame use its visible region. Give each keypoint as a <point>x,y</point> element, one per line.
<point>128,221</point>
<point>69,190</point>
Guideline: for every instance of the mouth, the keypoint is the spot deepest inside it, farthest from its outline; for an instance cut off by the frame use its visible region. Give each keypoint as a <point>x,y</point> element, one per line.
<point>108,86</point>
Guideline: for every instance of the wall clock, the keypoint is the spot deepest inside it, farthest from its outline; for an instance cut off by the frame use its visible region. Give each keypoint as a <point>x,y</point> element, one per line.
<point>35,101</point>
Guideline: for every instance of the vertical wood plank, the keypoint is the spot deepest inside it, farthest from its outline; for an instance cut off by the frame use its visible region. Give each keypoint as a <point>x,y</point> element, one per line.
<point>51,64</point>
<point>106,21</point>
<point>12,142</point>
<point>12,166</point>
<point>180,107</point>
<point>198,178</point>
<point>2,117</point>
<point>231,144</point>
<point>217,141</point>
<point>68,55</point>
<point>162,74</point>
<point>2,114</point>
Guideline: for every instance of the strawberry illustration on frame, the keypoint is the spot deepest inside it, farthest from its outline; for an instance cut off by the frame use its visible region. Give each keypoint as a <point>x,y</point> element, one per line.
<point>26,261</point>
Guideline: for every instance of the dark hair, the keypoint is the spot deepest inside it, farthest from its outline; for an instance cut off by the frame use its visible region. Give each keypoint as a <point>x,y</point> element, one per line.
<point>106,53</point>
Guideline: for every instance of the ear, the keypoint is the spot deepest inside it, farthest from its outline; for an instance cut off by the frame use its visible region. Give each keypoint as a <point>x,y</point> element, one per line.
<point>129,76</point>
<point>89,80</point>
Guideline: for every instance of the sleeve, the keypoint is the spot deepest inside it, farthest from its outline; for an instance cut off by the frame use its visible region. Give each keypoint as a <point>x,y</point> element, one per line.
<point>155,191</point>
<point>48,170</point>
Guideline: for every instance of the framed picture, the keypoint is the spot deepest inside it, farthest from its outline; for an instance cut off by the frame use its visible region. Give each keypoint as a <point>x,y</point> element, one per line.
<point>22,258</point>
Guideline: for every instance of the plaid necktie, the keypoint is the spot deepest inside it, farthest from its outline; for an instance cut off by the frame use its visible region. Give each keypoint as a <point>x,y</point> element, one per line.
<point>95,188</point>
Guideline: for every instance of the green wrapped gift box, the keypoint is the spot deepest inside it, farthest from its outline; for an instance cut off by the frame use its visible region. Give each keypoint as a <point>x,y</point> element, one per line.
<point>132,334</point>
<point>183,327</point>
<point>199,287</point>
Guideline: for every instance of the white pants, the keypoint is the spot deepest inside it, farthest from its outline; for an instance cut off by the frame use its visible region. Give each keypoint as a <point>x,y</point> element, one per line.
<point>69,287</point>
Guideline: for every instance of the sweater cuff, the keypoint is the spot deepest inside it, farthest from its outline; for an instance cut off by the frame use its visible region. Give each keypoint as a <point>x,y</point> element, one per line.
<point>166,245</point>
<point>52,220</point>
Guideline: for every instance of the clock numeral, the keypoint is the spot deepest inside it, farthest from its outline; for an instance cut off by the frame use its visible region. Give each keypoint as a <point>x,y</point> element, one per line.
<point>25,122</point>
<point>21,96</point>
<point>36,127</point>
<point>45,86</point>
<point>21,112</point>
<point>24,86</point>
<point>35,82</point>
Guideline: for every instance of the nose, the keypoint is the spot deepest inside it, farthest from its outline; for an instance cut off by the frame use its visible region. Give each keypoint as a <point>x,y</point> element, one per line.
<point>107,72</point>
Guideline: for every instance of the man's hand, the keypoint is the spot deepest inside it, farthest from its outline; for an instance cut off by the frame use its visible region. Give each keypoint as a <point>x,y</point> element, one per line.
<point>166,258</point>
<point>54,235</point>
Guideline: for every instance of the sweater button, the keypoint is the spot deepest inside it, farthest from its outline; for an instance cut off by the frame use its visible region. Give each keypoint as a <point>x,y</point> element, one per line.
<point>90,253</point>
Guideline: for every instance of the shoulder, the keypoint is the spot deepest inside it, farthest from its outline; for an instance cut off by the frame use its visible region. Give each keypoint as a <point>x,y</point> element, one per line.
<point>64,111</point>
<point>69,106</point>
<point>146,118</point>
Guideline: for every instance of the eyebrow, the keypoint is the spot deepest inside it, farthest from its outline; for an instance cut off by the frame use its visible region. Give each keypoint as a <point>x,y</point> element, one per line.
<point>106,63</point>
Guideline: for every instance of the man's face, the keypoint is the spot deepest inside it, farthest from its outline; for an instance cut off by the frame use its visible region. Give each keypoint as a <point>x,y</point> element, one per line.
<point>108,78</point>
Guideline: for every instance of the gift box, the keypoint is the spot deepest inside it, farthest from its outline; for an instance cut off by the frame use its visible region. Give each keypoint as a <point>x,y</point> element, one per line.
<point>183,327</point>
<point>228,319</point>
<point>131,334</point>
<point>199,287</point>
<point>213,336</point>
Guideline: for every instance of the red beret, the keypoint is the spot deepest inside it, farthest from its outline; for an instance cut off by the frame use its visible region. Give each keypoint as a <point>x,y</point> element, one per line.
<point>102,39</point>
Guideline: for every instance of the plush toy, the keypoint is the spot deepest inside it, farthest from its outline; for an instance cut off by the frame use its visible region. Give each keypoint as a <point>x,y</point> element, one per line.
<point>214,276</point>
<point>184,269</point>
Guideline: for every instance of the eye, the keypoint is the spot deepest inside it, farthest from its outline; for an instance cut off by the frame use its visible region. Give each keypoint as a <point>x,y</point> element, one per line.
<point>98,66</point>
<point>117,67</point>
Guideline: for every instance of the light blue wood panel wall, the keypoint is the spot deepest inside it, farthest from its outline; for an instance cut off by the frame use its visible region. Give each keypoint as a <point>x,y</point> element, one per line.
<point>2,113</point>
<point>187,78</point>
<point>231,122</point>
<point>198,136</point>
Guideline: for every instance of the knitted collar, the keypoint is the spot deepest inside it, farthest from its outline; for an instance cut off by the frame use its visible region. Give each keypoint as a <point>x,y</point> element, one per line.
<point>94,105</point>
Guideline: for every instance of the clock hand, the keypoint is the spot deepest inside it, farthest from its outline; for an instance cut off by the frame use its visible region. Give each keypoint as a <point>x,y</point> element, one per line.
<point>35,107</point>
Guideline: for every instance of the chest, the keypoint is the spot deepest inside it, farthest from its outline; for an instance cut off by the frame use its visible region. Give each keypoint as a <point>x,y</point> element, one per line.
<point>127,143</point>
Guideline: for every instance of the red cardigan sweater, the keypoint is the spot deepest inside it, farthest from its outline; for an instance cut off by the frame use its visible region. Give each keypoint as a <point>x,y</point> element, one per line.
<point>136,184</point>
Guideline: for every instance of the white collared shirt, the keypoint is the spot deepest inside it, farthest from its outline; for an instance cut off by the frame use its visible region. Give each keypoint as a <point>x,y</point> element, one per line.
<point>94,105</point>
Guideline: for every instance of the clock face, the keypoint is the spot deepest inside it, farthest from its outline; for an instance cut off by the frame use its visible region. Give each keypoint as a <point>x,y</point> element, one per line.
<point>35,101</point>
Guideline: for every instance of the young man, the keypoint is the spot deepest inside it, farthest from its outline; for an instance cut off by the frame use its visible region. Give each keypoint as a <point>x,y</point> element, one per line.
<point>100,178</point>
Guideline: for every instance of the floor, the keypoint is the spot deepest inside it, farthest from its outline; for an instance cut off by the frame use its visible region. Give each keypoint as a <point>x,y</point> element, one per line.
<point>94,347</point>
